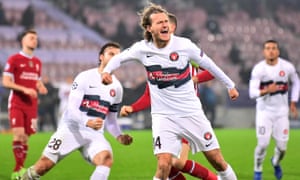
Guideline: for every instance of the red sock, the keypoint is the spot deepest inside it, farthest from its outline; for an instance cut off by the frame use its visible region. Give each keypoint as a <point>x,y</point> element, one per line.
<point>18,154</point>
<point>175,174</point>
<point>199,171</point>
<point>25,149</point>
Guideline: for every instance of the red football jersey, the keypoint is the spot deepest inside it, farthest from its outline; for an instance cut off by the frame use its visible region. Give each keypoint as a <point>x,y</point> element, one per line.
<point>25,71</point>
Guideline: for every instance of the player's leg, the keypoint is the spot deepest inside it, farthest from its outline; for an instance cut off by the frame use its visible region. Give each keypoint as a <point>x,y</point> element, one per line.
<point>178,163</point>
<point>263,135</point>
<point>61,143</point>
<point>281,136</point>
<point>189,166</point>
<point>201,136</point>
<point>20,138</point>
<point>216,159</point>
<point>41,167</point>
<point>166,143</point>
<point>164,164</point>
<point>100,153</point>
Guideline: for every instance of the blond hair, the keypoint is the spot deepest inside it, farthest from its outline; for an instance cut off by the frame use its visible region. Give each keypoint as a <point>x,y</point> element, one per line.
<point>145,19</point>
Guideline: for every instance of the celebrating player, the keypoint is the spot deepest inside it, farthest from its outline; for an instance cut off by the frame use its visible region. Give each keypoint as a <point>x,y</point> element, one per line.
<point>175,108</point>
<point>269,84</point>
<point>22,75</point>
<point>92,105</point>
<point>182,163</point>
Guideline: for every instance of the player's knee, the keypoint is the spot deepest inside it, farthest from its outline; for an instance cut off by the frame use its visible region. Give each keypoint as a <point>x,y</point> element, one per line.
<point>178,163</point>
<point>262,145</point>
<point>164,162</point>
<point>281,146</point>
<point>103,158</point>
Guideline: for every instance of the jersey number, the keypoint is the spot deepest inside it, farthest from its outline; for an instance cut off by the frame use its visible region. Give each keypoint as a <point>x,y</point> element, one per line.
<point>55,143</point>
<point>157,142</point>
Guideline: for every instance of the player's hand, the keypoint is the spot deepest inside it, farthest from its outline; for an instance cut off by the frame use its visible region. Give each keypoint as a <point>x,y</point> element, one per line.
<point>31,92</point>
<point>106,78</point>
<point>195,79</point>
<point>233,94</point>
<point>125,139</point>
<point>34,124</point>
<point>95,123</point>
<point>126,110</point>
<point>43,90</point>
<point>294,111</point>
<point>272,88</point>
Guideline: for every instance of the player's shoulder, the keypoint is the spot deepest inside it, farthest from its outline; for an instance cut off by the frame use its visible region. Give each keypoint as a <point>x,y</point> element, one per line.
<point>285,62</point>
<point>181,39</point>
<point>14,56</point>
<point>87,74</point>
<point>259,66</point>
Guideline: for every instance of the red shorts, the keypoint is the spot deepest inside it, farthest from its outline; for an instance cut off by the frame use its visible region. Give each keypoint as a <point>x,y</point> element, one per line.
<point>26,118</point>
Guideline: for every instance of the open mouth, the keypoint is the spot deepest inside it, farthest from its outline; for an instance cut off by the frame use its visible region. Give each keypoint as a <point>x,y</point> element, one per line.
<point>165,31</point>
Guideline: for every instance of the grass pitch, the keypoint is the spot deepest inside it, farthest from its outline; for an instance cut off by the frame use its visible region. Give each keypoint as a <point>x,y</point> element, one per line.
<point>136,162</point>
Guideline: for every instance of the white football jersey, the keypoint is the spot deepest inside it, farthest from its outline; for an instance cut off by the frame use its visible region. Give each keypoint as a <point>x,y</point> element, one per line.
<point>284,75</point>
<point>168,70</point>
<point>89,98</point>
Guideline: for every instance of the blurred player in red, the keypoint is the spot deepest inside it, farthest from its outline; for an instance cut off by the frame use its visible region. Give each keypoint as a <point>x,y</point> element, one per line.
<point>182,163</point>
<point>271,80</point>
<point>22,74</point>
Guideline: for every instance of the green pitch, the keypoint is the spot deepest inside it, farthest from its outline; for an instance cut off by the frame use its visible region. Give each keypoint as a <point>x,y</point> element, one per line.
<point>136,162</point>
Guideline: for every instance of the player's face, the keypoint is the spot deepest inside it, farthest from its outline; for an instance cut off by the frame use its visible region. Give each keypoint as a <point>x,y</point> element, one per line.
<point>159,27</point>
<point>108,54</point>
<point>30,41</point>
<point>271,51</point>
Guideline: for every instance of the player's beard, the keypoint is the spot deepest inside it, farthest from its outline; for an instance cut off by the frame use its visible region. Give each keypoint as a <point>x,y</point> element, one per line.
<point>159,41</point>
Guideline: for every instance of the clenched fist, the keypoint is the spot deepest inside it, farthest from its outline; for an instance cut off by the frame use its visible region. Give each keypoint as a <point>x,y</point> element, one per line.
<point>125,139</point>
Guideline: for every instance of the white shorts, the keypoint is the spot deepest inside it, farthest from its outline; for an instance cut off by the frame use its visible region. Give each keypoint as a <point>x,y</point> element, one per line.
<point>272,123</point>
<point>66,140</point>
<point>168,130</point>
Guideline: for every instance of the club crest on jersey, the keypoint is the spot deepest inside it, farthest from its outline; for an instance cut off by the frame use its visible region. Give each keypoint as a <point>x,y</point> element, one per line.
<point>30,63</point>
<point>174,56</point>
<point>112,93</point>
<point>207,136</point>
<point>74,86</point>
<point>281,73</point>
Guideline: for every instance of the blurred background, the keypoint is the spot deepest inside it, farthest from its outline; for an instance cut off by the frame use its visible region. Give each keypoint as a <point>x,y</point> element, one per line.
<point>71,33</point>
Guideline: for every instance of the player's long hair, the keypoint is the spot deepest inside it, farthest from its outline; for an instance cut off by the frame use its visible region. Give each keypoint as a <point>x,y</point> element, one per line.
<point>145,19</point>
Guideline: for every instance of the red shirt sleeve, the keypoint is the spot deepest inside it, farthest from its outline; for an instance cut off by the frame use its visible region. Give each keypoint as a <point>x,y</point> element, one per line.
<point>204,76</point>
<point>143,102</point>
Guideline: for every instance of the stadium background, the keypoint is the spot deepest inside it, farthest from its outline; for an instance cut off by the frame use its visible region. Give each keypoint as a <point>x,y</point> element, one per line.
<point>71,33</point>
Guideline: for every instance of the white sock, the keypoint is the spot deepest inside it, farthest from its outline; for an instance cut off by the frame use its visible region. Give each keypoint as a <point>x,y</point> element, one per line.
<point>228,174</point>
<point>101,172</point>
<point>278,155</point>
<point>259,156</point>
